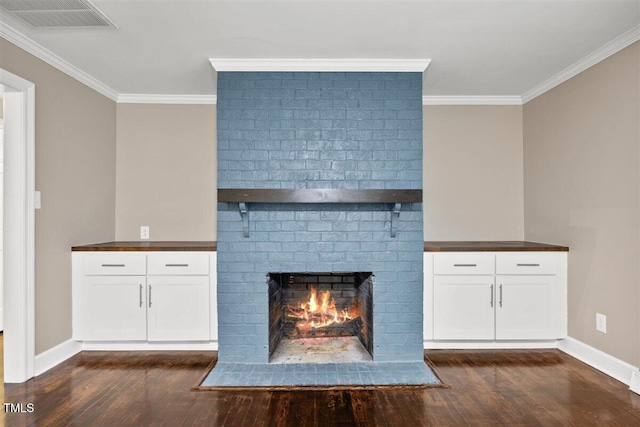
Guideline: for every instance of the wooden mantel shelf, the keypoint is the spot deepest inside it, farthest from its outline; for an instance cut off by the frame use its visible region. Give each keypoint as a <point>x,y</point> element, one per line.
<point>243,196</point>
<point>237,195</point>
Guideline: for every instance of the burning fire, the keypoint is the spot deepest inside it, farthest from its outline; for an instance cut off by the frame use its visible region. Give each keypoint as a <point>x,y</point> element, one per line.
<point>318,311</point>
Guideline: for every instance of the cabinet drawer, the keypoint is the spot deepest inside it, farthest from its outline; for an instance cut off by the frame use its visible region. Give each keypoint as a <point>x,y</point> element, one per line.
<point>114,264</point>
<point>526,263</point>
<point>464,263</point>
<point>179,263</point>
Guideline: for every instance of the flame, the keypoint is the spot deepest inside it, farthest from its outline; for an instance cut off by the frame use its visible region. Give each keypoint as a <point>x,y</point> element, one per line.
<point>318,311</point>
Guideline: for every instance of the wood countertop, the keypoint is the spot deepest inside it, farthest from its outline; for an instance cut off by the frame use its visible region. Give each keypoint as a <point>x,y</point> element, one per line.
<point>148,246</point>
<point>490,246</point>
<point>207,246</point>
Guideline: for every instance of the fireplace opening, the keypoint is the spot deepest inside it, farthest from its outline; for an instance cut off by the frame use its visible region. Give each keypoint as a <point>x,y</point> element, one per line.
<point>320,317</point>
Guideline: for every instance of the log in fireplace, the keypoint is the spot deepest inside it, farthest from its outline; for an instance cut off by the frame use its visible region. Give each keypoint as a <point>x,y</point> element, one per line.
<point>312,310</point>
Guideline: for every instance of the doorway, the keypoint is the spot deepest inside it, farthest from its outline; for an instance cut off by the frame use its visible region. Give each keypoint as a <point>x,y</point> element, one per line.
<point>18,224</point>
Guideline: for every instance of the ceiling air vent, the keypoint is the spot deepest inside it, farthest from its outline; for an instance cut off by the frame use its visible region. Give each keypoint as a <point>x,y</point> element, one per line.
<point>57,13</point>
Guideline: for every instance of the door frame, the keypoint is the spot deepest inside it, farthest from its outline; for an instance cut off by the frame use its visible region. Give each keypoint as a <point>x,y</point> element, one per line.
<point>19,227</point>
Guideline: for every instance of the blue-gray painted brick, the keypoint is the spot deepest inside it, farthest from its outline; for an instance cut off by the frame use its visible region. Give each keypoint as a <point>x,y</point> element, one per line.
<point>370,129</point>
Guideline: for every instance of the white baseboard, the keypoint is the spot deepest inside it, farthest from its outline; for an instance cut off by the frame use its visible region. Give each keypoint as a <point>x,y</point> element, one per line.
<point>605,363</point>
<point>490,345</point>
<point>55,355</point>
<point>148,346</point>
<point>1,316</point>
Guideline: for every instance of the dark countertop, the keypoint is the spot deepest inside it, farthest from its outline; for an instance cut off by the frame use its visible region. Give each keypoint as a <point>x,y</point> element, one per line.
<point>489,246</point>
<point>148,246</point>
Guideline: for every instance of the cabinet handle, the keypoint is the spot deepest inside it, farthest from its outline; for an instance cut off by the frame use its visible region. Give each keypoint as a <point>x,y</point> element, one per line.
<point>491,302</point>
<point>113,265</point>
<point>176,265</point>
<point>465,265</point>
<point>528,265</point>
<point>500,302</point>
<point>149,296</point>
<point>140,295</point>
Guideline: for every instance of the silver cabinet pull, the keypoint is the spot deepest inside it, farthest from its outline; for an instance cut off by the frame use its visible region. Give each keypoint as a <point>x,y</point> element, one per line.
<point>141,295</point>
<point>528,265</point>
<point>491,302</point>
<point>465,265</point>
<point>176,265</point>
<point>113,265</point>
<point>149,296</point>
<point>500,302</point>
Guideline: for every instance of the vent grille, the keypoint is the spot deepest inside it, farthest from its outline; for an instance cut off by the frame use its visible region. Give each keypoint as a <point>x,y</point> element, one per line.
<point>57,13</point>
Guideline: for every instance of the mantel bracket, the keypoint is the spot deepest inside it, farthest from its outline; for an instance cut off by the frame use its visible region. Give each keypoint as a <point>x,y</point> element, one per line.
<point>244,213</point>
<point>395,215</point>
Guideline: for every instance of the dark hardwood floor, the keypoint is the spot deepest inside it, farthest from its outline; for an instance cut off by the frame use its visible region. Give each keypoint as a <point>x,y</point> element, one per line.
<point>520,387</point>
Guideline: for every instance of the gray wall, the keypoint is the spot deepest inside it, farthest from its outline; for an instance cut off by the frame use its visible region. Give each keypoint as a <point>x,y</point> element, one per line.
<point>473,173</point>
<point>581,187</point>
<point>166,171</point>
<point>465,199</point>
<point>75,171</point>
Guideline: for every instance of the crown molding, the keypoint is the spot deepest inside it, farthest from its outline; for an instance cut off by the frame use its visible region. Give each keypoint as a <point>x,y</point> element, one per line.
<point>16,37</point>
<point>323,65</point>
<point>472,100</point>
<point>588,61</point>
<point>135,98</point>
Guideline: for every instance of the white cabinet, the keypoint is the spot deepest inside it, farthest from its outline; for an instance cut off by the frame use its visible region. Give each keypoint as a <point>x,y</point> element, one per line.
<point>144,296</point>
<point>178,308</point>
<point>114,308</point>
<point>526,307</point>
<point>463,307</point>
<point>495,296</point>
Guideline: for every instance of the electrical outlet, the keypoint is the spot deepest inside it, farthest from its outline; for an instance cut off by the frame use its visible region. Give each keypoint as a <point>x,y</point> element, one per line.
<point>144,232</point>
<point>601,323</point>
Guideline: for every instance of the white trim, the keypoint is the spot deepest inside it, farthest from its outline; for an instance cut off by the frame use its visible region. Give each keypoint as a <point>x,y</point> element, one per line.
<point>322,65</point>
<point>23,42</point>
<point>148,346</point>
<point>605,363</point>
<point>588,61</point>
<point>140,98</point>
<point>494,345</point>
<point>635,382</point>
<point>19,228</point>
<point>472,100</point>
<point>56,355</point>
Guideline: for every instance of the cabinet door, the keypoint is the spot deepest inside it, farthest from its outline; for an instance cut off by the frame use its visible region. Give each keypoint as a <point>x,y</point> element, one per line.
<point>463,307</point>
<point>114,308</point>
<point>526,307</point>
<point>178,308</point>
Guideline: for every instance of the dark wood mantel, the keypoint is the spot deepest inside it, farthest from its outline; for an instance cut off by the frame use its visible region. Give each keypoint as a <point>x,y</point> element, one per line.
<point>237,195</point>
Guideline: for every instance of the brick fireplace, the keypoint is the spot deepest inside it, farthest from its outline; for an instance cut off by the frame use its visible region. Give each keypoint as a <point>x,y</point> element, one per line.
<point>355,131</point>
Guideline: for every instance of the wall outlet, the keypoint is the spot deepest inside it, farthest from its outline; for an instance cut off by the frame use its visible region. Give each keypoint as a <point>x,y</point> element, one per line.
<point>601,323</point>
<point>144,232</point>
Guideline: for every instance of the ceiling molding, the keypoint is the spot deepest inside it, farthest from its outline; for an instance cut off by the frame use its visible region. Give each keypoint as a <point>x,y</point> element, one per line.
<point>588,61</point>
<point>323,65</point>
<point>472,100</point>
<point>23,42</point>
<point>134,98</point>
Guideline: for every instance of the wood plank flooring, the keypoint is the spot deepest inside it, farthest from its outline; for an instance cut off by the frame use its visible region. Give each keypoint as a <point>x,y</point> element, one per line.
<point>519,387</point>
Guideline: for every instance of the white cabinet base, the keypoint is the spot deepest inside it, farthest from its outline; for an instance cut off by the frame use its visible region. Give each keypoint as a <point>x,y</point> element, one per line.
<point>490,345</point>
<point>145,300</point>
<point>495,299</point>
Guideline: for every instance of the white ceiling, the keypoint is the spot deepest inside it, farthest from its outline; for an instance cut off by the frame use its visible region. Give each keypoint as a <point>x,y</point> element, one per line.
<point>483,48</point>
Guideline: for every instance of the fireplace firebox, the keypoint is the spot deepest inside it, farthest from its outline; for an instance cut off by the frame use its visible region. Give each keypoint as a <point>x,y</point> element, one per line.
<point>324,315</point>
